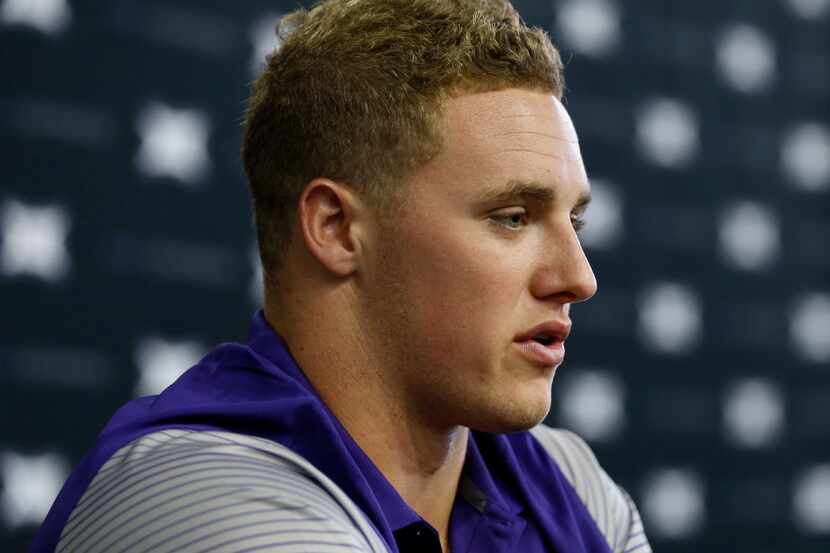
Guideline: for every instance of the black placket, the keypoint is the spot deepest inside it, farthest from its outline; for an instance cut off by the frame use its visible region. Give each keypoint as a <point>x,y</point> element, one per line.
<point>418,537</point>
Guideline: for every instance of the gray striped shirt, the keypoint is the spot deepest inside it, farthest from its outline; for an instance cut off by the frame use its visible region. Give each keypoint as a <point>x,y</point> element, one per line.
<point>205,491</point>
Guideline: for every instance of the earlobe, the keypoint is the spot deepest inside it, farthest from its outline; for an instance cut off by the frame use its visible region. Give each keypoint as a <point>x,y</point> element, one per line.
<point>327,218</point>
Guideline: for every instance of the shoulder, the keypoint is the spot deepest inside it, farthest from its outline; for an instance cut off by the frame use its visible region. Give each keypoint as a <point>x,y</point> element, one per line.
<point>609,505</point>
<point>177,489</point>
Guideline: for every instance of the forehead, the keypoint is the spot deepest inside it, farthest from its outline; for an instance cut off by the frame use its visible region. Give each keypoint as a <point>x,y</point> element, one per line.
<point>494,138</point>
<point>488,115</point>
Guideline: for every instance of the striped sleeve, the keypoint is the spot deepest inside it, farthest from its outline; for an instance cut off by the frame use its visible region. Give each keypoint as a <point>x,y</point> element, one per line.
<point>183,490</point>
<point>609,505</point>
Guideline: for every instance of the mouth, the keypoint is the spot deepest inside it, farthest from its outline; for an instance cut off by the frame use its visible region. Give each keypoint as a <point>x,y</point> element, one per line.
<point>547,333</point>
<point>544,339</point>
<point>544,344</point>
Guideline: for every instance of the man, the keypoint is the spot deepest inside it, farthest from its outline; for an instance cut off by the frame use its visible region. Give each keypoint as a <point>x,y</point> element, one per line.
<point>418,187</point>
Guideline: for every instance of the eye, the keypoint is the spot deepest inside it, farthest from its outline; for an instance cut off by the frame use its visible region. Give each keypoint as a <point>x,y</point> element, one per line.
<point>578,222</point>
<point>514,220</point>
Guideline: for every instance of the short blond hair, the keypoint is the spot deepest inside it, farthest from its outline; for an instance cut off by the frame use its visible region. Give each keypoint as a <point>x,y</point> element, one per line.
<point>355,94</point>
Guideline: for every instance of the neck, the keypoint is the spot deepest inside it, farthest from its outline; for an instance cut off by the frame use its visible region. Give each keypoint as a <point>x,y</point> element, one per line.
<point>421,459</point>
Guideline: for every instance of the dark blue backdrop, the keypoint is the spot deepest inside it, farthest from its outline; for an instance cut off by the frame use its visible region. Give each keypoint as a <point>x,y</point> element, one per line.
<point>700,372</point>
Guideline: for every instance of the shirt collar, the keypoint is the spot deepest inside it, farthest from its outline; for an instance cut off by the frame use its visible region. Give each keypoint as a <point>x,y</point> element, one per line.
<point>480,481</point>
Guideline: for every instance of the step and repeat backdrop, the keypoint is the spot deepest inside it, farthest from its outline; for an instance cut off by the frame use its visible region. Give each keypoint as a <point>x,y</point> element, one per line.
<point>700,372</point>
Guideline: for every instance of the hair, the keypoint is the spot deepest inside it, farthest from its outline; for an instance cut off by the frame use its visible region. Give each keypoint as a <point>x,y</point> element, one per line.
<point>355,93</point>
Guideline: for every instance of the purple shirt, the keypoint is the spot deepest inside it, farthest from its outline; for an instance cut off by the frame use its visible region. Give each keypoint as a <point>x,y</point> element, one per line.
<point>512,495</point>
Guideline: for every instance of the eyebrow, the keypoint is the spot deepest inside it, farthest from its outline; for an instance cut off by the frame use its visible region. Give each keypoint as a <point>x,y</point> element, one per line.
<point>515,190</point>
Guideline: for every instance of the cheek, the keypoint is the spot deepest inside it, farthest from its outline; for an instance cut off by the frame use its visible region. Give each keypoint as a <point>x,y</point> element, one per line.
<point>465,296</point>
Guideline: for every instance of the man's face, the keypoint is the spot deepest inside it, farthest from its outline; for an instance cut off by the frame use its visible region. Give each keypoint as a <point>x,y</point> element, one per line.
<point>484,251</point>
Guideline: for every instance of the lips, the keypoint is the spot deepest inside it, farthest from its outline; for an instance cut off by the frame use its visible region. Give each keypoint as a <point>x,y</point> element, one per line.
<point>552,331</point>
<point>544,344</point>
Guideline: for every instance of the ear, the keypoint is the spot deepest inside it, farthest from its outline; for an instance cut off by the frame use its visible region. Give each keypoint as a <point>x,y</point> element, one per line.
<point>329,217</point>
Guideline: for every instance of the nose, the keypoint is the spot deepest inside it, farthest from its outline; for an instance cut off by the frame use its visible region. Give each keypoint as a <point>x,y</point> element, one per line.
<point>564,273</point>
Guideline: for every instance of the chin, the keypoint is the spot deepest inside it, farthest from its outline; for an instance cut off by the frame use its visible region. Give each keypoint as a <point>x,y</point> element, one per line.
<point>513,416</point>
